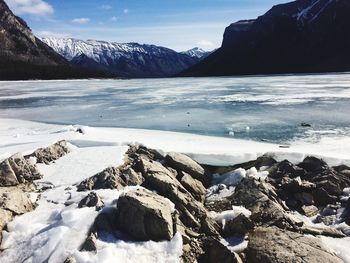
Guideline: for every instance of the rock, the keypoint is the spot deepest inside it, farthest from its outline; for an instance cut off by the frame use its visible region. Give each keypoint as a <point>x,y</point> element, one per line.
<point>304,198</point>
<point>273,245</point>
<point>285,169</point>
<point>90,243</point>
<point>215,252</point>
<point>13,199</point>
<point>16,170</point>
<point>240,225</point>
<point>305,125</point>
<point>5,218</point>
<point>192,213</point>
<point>311,164</point>
<point>109,178</point>
<point>91,200</point>
<point>144,216</point>
<point>132,178</point>
<point>7,175</point>
<point>309,210</point>
<point>51,153</point>
<point>330,210</point>
<point>261,199</point>
<point>184,163</point>
<point>70,259</point>
<point>322,198</point>
<point>194,186</point>
<point>327,220</point>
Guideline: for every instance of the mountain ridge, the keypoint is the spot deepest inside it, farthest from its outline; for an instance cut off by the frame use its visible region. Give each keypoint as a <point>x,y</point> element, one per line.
<point>303,36</point>
<point>125,59</point>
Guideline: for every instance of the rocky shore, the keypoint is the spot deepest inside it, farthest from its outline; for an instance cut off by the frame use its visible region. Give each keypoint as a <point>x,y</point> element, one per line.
<point>259,211</point>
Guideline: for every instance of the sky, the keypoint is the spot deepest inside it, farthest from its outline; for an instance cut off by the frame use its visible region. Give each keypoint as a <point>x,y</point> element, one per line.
<point>176,24</point>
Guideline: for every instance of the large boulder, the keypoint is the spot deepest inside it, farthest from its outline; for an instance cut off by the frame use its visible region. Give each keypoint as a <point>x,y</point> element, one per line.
<point>145,215</point>
<point>273,245</point>
<point>184,163</point>
<point>16,170</point>
<point>51,153</point>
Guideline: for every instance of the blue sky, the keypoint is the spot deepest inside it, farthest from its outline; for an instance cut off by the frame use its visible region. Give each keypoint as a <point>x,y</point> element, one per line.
<point>177,24</point>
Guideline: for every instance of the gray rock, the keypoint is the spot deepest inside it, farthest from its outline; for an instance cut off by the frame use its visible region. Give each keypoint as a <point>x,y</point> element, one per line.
<point>132,178</point>
<point>194,186</point>
<point>16,170</point>
<point>109,178</point>
<point>184,163</point>
<point>240,225</point>
<point>273,245</point>
<point>5,218</point>
<point>327,220</point>
<point>51,153</point>
<point>90,243</point>
<point>7,175</point>
<point>145,216</point>
<point>91,200</point>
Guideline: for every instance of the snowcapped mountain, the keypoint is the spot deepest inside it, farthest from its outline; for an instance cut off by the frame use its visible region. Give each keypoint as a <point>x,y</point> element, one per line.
<point>128,60</point>
<point>197,53</point>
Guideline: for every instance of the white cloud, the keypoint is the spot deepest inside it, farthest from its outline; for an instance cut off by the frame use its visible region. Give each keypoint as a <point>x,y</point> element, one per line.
<point>106,7</point>
<point>48,34</point>
<point>114,18</point>
<point>81,20</point>
<point>31,7</point>
<point>126,11</point>
<point>205,43</point>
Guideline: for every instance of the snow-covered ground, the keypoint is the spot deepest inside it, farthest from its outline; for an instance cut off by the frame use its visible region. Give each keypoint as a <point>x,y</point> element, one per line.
<point>56,228</point>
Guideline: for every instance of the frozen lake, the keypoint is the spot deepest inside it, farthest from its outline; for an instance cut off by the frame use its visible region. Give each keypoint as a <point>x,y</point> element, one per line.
<point>257,108</point>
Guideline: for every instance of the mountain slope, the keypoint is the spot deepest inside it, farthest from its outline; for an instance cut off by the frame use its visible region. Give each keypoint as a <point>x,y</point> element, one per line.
<point>297,37</point>
<point>23,56</point>
<point>197,53</point>
<point>128,60</point>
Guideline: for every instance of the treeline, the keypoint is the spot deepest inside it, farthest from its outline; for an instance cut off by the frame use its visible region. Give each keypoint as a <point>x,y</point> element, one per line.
<point>17,70</point>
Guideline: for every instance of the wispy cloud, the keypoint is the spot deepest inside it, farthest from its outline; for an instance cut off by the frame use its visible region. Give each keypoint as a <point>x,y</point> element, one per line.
<point>81,20</point>
<point>126,11</point>
<point>48,34</point>
<point>114,18</point>
<point>31,7</point>
<point>106,7</point>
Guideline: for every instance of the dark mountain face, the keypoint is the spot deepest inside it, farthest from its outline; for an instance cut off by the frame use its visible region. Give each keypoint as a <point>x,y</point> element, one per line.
<point>23,56</point>
<point>297,37</point>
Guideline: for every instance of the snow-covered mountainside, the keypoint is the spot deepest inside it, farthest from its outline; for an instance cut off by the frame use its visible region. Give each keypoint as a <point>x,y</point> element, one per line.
<point>129,60</point>
<point>197,53</point>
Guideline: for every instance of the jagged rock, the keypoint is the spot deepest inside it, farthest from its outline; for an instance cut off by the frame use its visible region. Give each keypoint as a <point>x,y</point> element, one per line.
<point>323,198</point>
<point>330,210</point>
<point>240,225</point>
<point>274,245</point>
<point>51,153</point>
<point>107,179</point>
<point>16,170</point>
<point>90,243</point>
<point>311,164</point>
<point>132,178</point>
<point>304,198</point>
<point>138,151</point>
<point>194,186</point>
<point>309,210</point>
<point>13,199</point>
<point>184,163</point>
<point>91,200</point>
<point>7,175</point>
<point>192,212</point>
<point>215,252</point>
<point>261,199</point>
<point>70,259</point>
<point>285,169</point>
<point>144,216</point>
